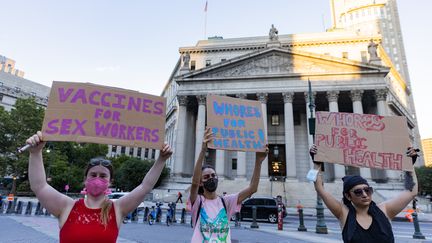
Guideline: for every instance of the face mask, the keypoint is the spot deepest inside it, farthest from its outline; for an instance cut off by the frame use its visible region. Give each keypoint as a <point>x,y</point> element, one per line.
<point>96,186</point>
<point>211,184</point>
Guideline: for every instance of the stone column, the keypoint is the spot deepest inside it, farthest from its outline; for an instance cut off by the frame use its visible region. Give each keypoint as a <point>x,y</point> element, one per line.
<point>180,145</point>
<point>241,156</point>
<point>262,97</point>
<point>356,97</point>
<point>381,98</point>
<point>290,157</point>
<point>220,163</point>
<point>127,150</point>
<point>110,153</point>
<point>142,153</point>
<point>135,152</point>
<point>118,150</point>
<point>332,97</point>
<point>200,124</point>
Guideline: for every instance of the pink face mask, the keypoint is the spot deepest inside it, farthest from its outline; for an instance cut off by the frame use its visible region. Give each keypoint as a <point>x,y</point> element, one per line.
<point>96,186</point>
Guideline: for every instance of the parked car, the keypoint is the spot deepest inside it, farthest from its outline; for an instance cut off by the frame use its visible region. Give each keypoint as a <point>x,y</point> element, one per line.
<point>267,209</point>
<point>116,195</point>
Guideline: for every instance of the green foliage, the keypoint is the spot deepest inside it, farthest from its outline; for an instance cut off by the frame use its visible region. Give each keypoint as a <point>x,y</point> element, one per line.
<point>424,177</point>
<point>132,172</point>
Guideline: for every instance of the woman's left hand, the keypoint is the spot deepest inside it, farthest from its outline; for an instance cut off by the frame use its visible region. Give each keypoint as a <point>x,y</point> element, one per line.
<point>165,152</point>
<point>412,152</point>
<point>262,155</point>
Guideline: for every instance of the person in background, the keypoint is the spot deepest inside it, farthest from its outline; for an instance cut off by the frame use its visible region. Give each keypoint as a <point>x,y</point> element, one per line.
<point>94,218</point>
<point>179,197</point>
<point>211,213</point>
<point>360,218</point>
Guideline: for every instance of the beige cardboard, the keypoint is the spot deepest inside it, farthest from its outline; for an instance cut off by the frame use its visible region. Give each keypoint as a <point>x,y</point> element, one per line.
<point>239,125</point>
<point>362,140</point>
<point>85,112</point>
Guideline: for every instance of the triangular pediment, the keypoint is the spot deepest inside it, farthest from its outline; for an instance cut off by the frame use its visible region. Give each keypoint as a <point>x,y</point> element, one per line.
<point>281,62</point>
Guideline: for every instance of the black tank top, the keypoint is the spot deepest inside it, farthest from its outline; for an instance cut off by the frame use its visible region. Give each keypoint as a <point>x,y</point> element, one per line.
<point>380,231</point>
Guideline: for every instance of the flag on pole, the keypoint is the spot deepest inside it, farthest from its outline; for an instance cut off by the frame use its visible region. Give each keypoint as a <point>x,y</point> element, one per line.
<point>205,8</point>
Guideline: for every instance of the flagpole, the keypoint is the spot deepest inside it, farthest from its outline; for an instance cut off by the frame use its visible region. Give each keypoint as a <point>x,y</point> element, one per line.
<point>205,20</point>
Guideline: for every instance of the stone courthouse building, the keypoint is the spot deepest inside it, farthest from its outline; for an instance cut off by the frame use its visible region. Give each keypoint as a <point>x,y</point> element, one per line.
<point>358,65</point>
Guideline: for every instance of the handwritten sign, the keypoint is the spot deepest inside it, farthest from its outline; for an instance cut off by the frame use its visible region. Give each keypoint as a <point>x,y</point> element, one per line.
<point>237,124</point>
<point>84,112</point>
<point>362,140</point>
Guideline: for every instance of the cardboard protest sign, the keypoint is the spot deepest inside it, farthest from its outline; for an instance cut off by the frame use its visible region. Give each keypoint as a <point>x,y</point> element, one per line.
<point>237,124</point>
<point>362,140</point>
<point>84,112</point>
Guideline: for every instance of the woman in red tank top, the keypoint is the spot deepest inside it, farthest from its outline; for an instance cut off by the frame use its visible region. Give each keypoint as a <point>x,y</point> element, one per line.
<point>95,218</point>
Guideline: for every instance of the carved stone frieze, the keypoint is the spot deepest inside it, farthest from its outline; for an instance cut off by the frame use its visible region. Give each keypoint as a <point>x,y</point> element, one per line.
<point>262,97</point>
<point>201,99</point>
<point>381,94</point>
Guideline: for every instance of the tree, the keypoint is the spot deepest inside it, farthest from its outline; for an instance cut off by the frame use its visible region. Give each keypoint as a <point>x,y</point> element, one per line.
<point>424,176</point>
<point>132,172</point>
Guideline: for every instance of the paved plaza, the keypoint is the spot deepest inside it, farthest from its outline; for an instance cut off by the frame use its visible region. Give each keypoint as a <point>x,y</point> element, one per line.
<point>21,228</point>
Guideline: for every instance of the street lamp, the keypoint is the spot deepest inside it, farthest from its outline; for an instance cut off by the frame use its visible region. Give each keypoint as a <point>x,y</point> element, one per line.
<point>321,227</point>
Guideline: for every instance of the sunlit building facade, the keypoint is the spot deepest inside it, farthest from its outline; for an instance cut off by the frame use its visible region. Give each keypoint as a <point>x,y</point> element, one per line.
<point>353,67</point>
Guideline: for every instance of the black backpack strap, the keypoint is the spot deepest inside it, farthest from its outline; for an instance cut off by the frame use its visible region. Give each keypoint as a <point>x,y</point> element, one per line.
<point>223,202</point>
<point>199,211</point>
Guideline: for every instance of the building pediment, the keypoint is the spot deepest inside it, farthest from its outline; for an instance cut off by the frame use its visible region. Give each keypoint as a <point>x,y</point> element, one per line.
<point>281,62</point>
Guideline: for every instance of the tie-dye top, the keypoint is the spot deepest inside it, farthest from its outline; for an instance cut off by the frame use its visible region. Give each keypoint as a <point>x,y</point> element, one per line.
<point>213,222</point>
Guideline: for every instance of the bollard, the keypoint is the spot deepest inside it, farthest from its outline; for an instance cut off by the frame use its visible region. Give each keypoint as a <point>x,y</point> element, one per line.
<point>29,208</point>
<point>47,213</point>
<point>301,219</point>
<point>38,206</point>
<point>183,214</point>
<point>254,224</point>
<point>280,218</point>
<point>19,208</point>
<point>174,207</point>
<point>146,212</point>
<point>417,234</point>
<point>237,219</point>
<point>9,209</point>
<point>134,215</point>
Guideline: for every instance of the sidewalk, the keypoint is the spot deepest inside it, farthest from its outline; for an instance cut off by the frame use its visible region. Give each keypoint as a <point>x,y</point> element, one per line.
<point>311,212</point>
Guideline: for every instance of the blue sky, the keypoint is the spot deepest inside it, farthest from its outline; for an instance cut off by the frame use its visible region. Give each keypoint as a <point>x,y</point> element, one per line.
<point>134,44</point>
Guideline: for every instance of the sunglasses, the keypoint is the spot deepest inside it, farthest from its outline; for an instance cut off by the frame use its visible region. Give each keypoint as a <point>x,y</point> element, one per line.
<point>100,161</point>
<point>359,192</point>
<point>212,175</point>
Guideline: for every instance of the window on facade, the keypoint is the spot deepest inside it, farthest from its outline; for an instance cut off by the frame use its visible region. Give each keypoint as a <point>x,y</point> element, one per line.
<point>397,67</point>
<point>153,155</point>
<point>395,50</point>
<point>275,119</point>
<point>114,148</point>
<point>208,63</point>
<point>345,54</point>
<point>193,65</point>
<point>363,56</point>
<point>139,152</point>
<point>123,150</point>
<point>234,164</point>
<point>131,151</point>
<point>146,153</point>
<point>296,116</point>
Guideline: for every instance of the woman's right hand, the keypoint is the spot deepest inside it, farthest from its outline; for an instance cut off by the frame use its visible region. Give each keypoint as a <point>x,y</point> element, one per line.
<point>36,142</point>
<point>208,136</point>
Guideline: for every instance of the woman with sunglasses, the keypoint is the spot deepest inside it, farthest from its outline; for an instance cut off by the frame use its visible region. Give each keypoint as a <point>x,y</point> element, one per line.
<point>95,218</point>
<point>360,218</point>
<point>211,213</point>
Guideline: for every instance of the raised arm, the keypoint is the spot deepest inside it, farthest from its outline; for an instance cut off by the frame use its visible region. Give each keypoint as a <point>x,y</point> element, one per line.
<point>54,201</point>
<point>395,205</point>
<point>131,201</point>
<point>253,185</point>
<point>335,206</point>
<point>196,178</point>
